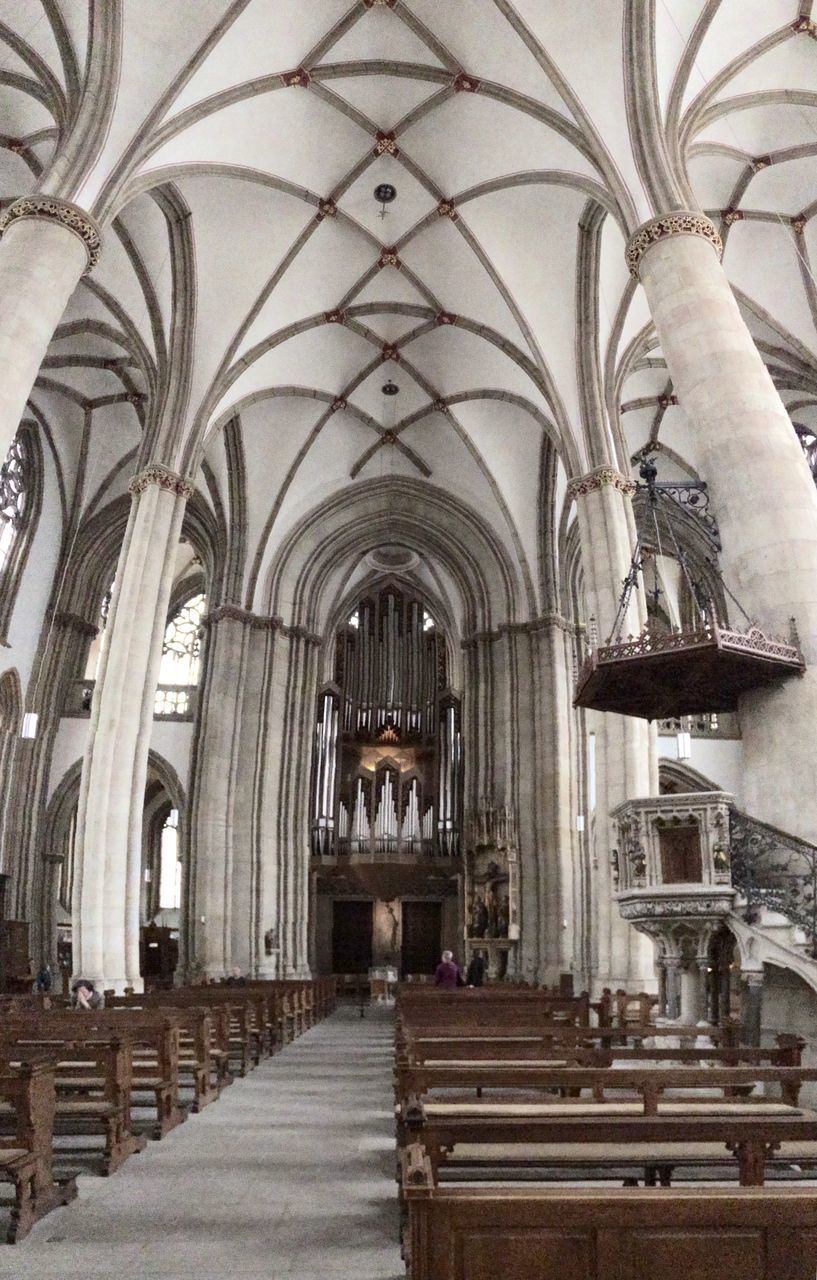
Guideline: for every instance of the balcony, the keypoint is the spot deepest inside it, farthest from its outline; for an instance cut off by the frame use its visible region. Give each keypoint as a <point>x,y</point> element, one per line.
<point>173,701</point>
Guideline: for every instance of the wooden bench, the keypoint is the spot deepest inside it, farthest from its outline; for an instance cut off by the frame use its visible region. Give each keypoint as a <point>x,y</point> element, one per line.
<point>482,1233</point>
<point>26,1154</point>
<point>752,1132</point>
<point>93,1085</point>
<point>648,1082</point>
<point>154,1036</point>
<point>204,1053</point>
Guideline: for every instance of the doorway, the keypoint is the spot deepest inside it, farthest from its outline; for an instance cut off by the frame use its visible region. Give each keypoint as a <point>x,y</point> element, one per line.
<point>351,936</point>
<point>422,937</point>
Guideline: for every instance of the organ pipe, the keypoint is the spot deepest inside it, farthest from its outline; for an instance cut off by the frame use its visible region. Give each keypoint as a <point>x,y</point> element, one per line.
<point>390,671</point>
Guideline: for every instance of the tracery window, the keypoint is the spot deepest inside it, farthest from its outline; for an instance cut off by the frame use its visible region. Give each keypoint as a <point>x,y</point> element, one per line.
<point>170,868</point>
<point>181,658</point>
<point>13,499</point>
<point>20,496</point>
<point>808,441</point>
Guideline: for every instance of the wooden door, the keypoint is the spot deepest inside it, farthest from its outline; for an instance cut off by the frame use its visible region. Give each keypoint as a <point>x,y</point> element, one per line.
<point>351,936</point>
<point>15,975</point>
<point>422,937</point>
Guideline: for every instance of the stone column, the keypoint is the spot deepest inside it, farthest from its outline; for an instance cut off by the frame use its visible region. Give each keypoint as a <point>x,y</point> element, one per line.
<point>47,244</point>
<point>213,789</point>
<point>672,986</point>
<point>763,493</point>
<point>551,906</point>
<point>108,876</point>
<point>283,824</point>
<point>751,1007</point>
<point>623,956</point>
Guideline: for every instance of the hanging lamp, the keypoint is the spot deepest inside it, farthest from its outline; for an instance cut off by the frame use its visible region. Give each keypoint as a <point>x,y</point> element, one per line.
<point>691,670</point>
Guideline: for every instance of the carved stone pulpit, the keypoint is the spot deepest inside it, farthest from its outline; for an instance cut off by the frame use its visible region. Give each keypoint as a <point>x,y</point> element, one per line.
<point>674,883</point>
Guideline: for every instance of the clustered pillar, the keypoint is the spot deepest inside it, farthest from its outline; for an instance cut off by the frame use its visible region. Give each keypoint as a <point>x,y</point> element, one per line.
<point>623,756</point>
<point>763,494</point>
<point>107,888</point>
<point>47,245</point>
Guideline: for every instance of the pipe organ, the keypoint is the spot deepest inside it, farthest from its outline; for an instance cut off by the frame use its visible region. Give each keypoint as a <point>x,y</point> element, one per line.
<point>387,762</point>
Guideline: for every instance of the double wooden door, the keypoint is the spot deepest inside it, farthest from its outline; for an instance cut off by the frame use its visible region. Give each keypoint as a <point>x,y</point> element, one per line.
<point>422,935</point>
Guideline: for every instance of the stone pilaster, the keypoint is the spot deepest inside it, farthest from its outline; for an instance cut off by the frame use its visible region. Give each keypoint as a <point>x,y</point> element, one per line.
<point>109,872</point>
<point>751,1007</point>
<point>622,957</point>
<point>47,244</point>
<point>517,702</point>
<point>282,833</point>
<point>743,444</point>
<point>212,825</point>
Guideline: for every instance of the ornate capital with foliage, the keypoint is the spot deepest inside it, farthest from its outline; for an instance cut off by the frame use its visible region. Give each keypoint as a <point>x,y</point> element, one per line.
<point>63,212</point>
<point>581,485</point>
<point>166,479</point>
<point>680,223</point>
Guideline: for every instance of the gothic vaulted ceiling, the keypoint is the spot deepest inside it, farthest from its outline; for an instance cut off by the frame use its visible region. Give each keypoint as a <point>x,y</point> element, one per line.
<point>253,297</point>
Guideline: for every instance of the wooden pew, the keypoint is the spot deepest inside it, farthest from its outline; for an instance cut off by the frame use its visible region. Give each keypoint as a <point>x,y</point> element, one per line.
<point>191,1002</point>
<point>525,1136</point>
<point>154,1036</point>
<point>96,1097</point>
<point>26,1155</point>
<point>480,1233</point>
<point>648,1082</point>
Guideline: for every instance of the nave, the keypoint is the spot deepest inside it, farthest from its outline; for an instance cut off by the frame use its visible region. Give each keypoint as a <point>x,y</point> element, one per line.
<point>291,1174</point>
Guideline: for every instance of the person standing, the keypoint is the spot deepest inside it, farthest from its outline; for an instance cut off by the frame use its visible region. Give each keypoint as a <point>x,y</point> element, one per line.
<point>44,980</point>
<point>448,973</point>
<point>475,975</point>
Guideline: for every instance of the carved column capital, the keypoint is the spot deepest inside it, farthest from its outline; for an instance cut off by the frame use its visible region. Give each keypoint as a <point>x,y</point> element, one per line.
<point>63,212</point>
<point>597,479</point>
<point>166,479</point>
<point>681,222</point>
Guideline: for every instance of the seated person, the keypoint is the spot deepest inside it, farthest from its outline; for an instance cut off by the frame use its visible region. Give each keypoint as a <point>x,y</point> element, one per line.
<point>85,995</point>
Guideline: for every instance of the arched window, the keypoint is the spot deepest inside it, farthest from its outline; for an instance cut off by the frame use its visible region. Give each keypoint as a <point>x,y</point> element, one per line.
<point>20,501</point>
<point>170,867</point>
<point>181,659</point>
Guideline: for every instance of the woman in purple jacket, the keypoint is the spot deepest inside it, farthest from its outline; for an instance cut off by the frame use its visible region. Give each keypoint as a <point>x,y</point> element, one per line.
<point>448,973</point>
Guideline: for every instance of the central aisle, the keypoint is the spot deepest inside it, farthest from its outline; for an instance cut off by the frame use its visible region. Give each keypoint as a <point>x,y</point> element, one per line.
<point>290,1173</point>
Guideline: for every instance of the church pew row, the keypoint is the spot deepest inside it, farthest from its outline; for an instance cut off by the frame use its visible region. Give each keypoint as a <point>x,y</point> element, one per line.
<point>28,1092</point>
<point>535,1233</point>
<point>93,1088</point>
<point>154,1039</point>
<point>647,1082</point>
<point>590,1051</point>
<point>415,1043</point>
<point>524,1135</point>
<point>656,1111</point>
<point>70,1072</point>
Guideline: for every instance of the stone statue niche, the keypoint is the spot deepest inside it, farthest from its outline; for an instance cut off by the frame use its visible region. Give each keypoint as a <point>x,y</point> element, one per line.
<point>492,890</point>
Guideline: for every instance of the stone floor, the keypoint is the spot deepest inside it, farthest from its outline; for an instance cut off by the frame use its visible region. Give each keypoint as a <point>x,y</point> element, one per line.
<point>290,1173</point>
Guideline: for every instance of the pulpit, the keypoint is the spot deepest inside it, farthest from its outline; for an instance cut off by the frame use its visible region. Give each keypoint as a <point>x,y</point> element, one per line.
<point>674,883</point>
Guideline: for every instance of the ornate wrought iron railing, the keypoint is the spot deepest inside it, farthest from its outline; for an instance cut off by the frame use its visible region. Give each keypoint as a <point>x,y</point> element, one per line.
<point>692,496</point>
<point>776,870</point>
